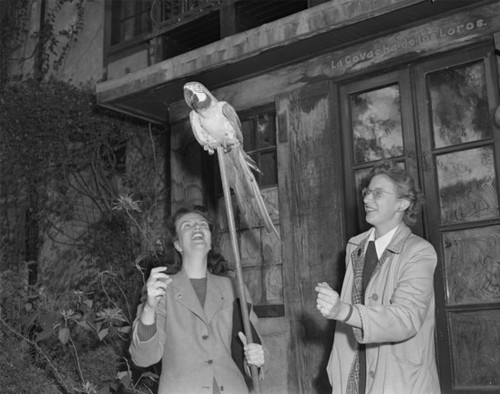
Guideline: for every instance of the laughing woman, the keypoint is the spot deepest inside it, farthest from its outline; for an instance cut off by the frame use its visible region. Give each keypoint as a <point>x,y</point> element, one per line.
<point>187,318</point>
<point>384,336</point>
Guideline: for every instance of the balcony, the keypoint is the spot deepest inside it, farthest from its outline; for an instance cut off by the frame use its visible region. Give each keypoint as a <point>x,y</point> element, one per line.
<point>182,49</point>
<point>168,28</point>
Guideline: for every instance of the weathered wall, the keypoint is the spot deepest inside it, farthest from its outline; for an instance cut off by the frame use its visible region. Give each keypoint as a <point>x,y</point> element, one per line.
<point>84,61</point>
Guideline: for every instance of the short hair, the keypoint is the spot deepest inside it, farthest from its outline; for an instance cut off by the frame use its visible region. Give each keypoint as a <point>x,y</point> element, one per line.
<point>406,187</point>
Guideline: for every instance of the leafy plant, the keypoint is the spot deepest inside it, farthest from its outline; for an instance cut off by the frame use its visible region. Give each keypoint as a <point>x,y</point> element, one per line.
<point>88,339</point>
<point>65,164</point>
<point>58,160</point>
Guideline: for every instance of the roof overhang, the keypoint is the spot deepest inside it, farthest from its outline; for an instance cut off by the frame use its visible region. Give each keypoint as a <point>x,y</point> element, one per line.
<point>149,92</point>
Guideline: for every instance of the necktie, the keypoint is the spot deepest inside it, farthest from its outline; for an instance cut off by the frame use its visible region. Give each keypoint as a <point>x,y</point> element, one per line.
<point>371,259</point>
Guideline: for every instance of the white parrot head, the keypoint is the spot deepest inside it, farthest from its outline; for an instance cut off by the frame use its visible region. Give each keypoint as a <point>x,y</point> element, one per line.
<point>197,96</point>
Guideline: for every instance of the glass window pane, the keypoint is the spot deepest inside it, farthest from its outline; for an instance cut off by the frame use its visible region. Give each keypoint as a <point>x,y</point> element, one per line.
<point>376,124</point>
<point>467,185</point>
<point>472,265</point>
<point>145,22</point>
<point>361,180</point>
<point>273,284</point>
<point>252,277</point>
<point>475,340</point>
<point>248,131</point>
<point>127,9</point>
<point>266,130</point>
<point>268,167</point>
<point>250,247</point>
<point>459,105</point>
<point>127,29</point>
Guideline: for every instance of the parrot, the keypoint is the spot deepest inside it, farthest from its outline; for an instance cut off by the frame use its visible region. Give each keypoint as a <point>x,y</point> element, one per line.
<point>215,125</point>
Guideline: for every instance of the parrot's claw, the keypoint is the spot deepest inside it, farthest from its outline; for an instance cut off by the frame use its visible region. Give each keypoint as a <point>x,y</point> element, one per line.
<point>209,149</point>
<point>230,144</point>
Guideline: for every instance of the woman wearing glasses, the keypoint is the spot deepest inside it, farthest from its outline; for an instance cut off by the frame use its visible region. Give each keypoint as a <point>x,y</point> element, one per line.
<point>384,336</point>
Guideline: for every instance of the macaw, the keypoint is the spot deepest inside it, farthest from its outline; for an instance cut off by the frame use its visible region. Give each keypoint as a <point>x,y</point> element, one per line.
<point>216,125</point>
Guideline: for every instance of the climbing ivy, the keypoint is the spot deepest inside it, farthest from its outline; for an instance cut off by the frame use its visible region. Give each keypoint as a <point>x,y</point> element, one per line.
<point>61,155</point>
<point>58,149</point>
<point>48,46</point>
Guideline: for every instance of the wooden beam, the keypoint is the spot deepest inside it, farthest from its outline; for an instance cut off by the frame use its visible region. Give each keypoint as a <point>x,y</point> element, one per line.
<point>313,234</point>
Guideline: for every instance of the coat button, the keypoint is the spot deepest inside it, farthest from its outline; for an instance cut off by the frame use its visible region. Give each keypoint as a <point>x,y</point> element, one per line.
<point>372,374</point>
<point>210,361</point>
<point>221,388</point>
<point>374,297</point>
<point>205,337</point>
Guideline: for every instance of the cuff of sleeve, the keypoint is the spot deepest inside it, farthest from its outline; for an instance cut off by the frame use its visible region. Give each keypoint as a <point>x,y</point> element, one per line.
<point>145,332</point>
<point>359,333</point>
<point>349,314</point>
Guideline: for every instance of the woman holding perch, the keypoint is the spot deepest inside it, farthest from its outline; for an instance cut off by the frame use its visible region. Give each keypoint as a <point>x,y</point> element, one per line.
<point>187,320</point>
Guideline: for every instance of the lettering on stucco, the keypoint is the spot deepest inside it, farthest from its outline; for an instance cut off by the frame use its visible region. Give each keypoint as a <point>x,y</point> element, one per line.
<point>408,43</point>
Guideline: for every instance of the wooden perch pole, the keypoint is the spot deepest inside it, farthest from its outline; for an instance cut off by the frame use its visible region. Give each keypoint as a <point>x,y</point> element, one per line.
<point>237,263</point>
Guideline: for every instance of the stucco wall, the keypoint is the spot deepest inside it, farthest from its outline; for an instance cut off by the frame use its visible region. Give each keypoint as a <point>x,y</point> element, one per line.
<point>83,64</point>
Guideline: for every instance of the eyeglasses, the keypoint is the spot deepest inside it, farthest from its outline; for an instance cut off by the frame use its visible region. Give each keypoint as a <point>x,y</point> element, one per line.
<point>376,193</point>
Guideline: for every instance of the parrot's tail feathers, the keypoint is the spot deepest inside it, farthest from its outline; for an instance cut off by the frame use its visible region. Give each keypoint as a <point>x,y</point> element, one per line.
<point>248,193</point>
<point>263,213</point>
<point>250,162</point>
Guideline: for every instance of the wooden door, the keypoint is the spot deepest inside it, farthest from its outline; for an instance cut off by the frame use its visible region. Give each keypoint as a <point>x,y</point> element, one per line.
<point>436,118</point>
<point>377,120</point>
<point>457,96</point>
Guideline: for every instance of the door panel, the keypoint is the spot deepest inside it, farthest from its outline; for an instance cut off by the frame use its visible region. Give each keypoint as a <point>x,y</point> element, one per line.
<point>466,184</point>
<point>459,104</point>
<point>475,341</point>
<point>377,124</point>
<point>378,121</point>
<point>470,259</point>
<point>456,96</point>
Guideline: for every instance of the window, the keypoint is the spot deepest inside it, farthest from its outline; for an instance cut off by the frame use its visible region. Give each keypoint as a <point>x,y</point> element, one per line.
<point>173,27</point>
<point>260,251</point>
<point>259,141</point>
<point>130,19</point>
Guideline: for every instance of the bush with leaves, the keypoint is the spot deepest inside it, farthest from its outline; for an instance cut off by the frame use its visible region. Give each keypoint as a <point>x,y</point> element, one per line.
<point>65,343</point>
<point>60,151</point>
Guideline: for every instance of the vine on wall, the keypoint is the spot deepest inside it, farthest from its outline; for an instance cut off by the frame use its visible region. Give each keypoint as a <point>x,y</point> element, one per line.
<point>70,164</point>
<point>66,166</point>
<point>47,46</point>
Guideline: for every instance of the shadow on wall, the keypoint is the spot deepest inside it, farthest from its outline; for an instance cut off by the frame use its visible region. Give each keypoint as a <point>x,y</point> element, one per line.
<point>317,335</point>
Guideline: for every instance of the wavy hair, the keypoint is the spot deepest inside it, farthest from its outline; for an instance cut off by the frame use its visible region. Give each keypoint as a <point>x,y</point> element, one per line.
<point>406,187</point>
<point>216,263</point>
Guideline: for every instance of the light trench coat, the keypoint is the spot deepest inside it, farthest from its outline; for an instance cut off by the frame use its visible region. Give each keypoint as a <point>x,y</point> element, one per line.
<point>194,343</point>
<point>397,319</point>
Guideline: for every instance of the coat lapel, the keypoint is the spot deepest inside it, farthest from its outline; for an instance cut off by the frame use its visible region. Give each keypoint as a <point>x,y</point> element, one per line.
<point>395,246</point>
<point>186,296</point>
<point>358,259</point>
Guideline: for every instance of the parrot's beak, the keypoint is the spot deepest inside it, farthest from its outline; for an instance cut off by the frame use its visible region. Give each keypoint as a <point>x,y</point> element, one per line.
<point>188,95</point>
<point>191,98</point>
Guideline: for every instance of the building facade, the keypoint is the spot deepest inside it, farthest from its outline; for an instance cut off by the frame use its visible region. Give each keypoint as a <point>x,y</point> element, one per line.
<point>324,90</point>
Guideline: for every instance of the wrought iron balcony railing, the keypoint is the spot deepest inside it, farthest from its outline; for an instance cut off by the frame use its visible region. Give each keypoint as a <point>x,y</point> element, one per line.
<point>178,9</point>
